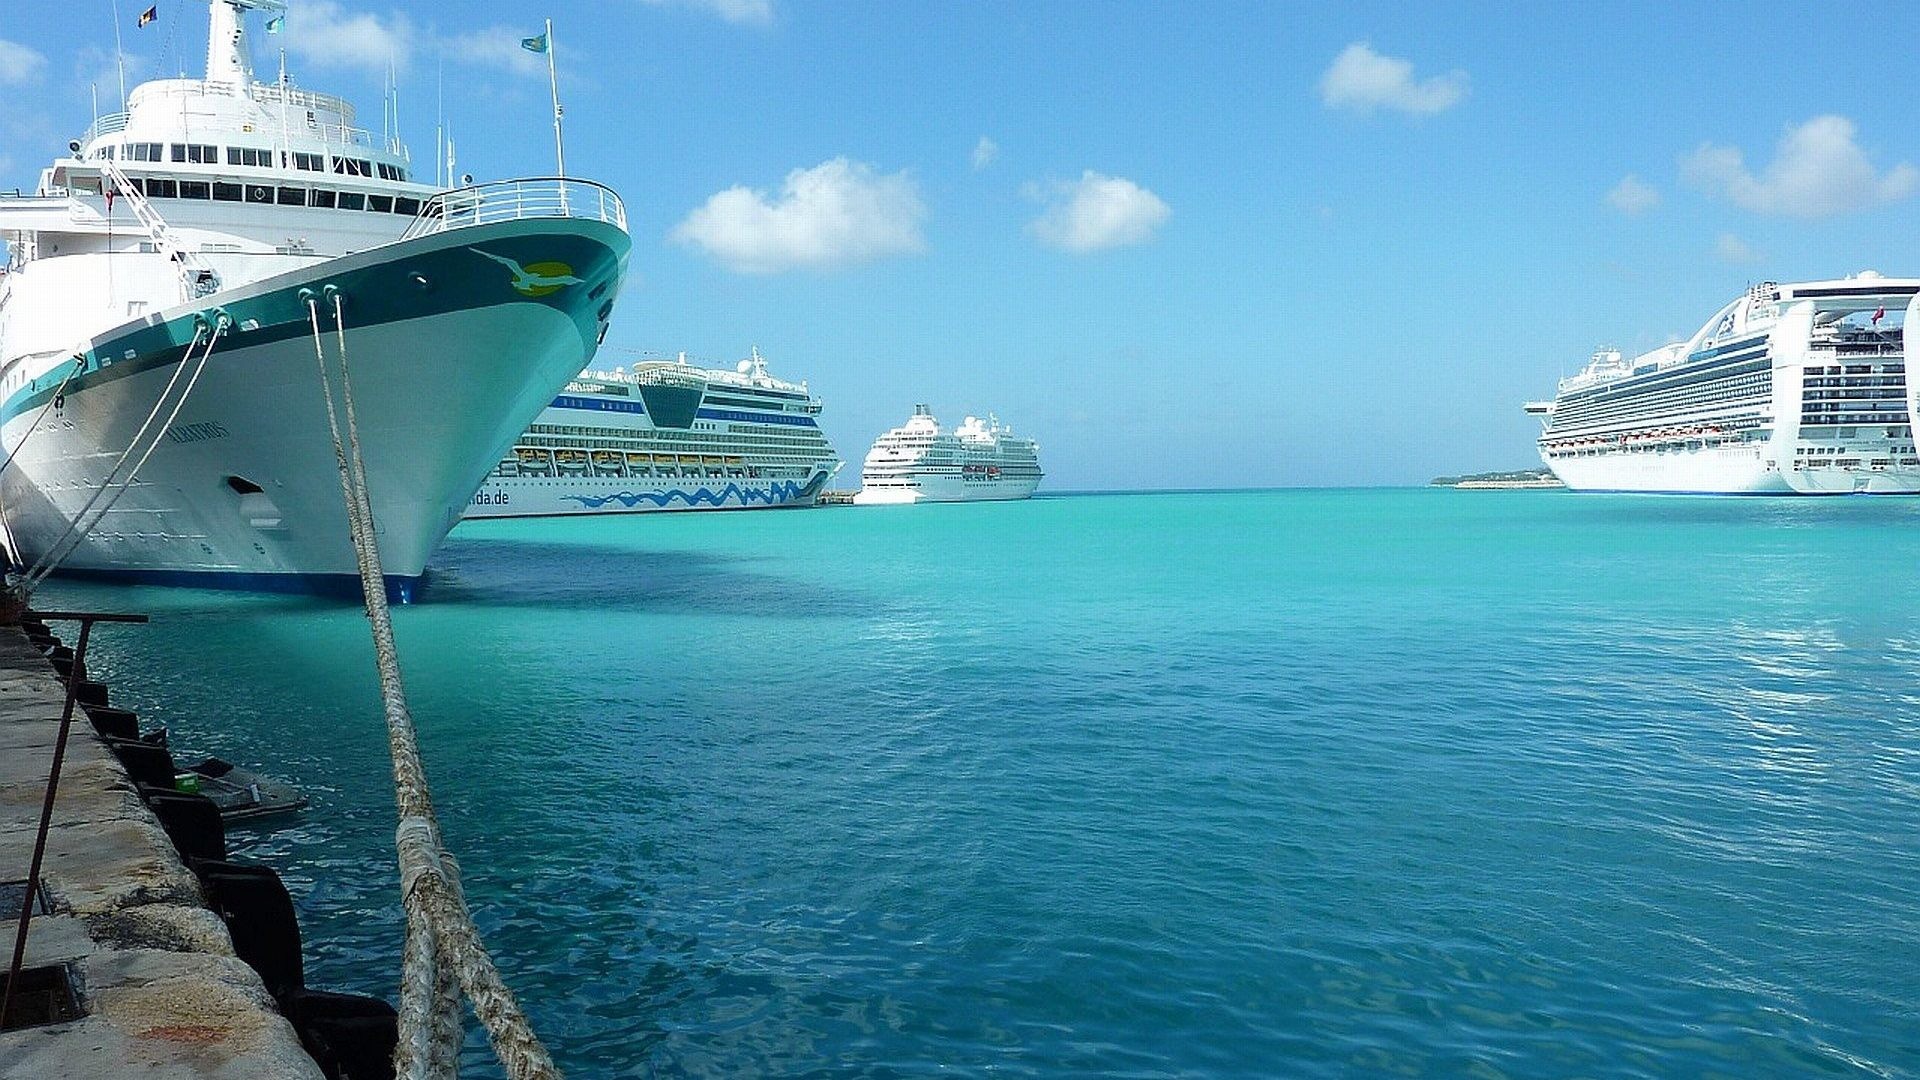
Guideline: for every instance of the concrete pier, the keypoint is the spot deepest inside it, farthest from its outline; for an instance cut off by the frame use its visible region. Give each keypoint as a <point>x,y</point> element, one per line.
<point>162,992</point>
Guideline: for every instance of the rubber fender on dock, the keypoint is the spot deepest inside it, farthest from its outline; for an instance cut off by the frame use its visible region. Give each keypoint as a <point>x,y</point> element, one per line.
<point>144,762</point>
<point>350,1036</point>
<point>191,821</point>
<point>259,915</point>
<point>114,723</point>
<point>87,692</point>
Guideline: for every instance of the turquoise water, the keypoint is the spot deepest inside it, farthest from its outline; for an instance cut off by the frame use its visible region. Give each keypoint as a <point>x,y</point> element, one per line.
<point>1311,783</point>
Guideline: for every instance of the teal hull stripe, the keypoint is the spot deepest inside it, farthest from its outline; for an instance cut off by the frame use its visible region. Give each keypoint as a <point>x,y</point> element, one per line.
<point>411,280</point>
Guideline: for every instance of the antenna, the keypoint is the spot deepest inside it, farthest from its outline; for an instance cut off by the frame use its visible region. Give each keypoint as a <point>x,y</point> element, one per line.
<point>119,55</point>
<point>440,152</point>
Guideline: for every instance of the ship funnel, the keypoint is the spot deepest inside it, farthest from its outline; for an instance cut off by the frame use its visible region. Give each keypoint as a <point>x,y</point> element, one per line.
<point>229,60</point>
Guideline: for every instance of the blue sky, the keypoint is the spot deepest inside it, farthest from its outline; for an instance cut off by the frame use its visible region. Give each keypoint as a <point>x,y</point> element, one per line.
<point>1202,245</point>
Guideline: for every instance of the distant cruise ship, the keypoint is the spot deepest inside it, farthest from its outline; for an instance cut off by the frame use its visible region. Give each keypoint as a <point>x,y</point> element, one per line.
<point>917,462</point>
<point>665,436</point>
<point>1797,389</point>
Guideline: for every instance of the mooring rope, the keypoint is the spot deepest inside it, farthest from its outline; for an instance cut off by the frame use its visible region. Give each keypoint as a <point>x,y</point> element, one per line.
<point>444,956</point>
<point>79,362</point>
<point>51,559</point>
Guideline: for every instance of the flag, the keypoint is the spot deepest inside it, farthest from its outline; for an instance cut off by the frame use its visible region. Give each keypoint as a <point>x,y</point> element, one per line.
<point>274,24</point>
<point>534,44</point>
<point>1881,314</point>
<point>149,15</point>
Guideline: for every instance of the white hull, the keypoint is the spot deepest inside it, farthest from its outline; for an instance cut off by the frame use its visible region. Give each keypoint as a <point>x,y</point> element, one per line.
<point>943,489</point>
<point>1731,470</point>
<point>565,496</point>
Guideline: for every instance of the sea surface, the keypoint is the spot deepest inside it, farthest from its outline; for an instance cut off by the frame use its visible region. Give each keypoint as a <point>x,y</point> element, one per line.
<point>1298,783</point>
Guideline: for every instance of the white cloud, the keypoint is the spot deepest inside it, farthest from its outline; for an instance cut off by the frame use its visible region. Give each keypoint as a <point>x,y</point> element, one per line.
<point>19,65</point>
<point>1633,196</point>
<point>1732,249</point>
<point>984,152</point>
<point>325,35</point>
<point>495,47</point>
<point>1097,212</point>
<point>1818,170</point>
<point>837,213</point>
<point>1363,80</point>
<point>743,12</point>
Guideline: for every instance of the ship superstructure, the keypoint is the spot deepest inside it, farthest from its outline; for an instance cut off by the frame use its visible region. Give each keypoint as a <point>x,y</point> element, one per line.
<point>1794,388</point>
<point>978,461</point>
<point>666,435</point>
<point>215,229</point>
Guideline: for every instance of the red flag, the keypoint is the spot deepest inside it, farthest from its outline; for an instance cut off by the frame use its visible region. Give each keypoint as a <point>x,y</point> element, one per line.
<point>1881,314</point>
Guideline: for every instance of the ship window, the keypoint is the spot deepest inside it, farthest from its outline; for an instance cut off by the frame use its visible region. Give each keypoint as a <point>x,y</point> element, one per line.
<point>309,162</point>
<point>353,166</point>
<point>404,205</point>
<point>352,200</point>
<point>259,193</point>
<point>292,196</point>
<point>195,189</point>
<point>179,152</point>
<point>233,155</point>
<point>202,154</point>
<point>161,189</point>
<point>320,197</point>
<point>227,192</point>
<point>382,204</point>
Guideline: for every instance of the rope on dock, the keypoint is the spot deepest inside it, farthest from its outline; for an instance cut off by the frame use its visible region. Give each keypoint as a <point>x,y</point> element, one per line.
<point>51,559</point>
<point>444,956</point>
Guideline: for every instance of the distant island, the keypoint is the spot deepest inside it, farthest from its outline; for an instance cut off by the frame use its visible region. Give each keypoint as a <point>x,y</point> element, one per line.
<point>1519,478</point>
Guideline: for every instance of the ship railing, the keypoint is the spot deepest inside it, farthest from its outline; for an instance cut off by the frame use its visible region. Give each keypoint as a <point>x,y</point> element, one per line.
<point>514,200</point>
<point>105,125</point>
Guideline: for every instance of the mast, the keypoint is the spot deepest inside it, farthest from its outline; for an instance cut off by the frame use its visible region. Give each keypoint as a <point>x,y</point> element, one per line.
<point>119,60</point>
<point>553,84</point>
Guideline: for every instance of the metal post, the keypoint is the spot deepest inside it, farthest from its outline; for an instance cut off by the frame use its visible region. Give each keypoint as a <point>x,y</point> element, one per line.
<point>53,788</point>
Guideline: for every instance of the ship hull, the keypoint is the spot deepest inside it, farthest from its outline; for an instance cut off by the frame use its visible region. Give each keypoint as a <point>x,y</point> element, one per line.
<point>1731,470</point>
<point>449,361</point>
<point>573,496</point>
<point>935,490</point>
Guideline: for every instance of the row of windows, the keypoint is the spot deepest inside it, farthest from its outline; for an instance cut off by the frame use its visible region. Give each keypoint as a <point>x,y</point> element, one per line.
<point>1857,369</point>
<point>1858,380</point>
<point>155,187</point>
<point>1748,387</point>
<point>253,157</point>
<point>1812,419</point>
<point>1829,451</point>
<point>1853,394</point>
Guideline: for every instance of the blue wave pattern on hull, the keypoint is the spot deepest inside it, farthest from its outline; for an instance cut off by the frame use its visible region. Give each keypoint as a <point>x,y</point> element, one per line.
<point>781,492</point>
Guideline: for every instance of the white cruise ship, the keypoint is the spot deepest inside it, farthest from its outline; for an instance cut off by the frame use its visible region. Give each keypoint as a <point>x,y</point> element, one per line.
<point>1795,389</point>
<point>917,462</point>
<point>665,436</point>
<point>162,401</point>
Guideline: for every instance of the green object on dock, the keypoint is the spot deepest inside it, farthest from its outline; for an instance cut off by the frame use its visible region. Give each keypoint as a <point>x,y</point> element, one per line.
<point>188,783</point>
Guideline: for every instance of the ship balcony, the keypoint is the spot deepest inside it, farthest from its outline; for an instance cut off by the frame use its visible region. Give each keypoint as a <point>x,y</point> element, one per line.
<point>513,200</point>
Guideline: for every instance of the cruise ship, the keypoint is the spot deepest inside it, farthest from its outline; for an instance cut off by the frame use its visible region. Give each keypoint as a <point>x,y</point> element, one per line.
<point>978,461</point>
<point>1791,389</point>
<point>166,289</point>
<point>665,436</point>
